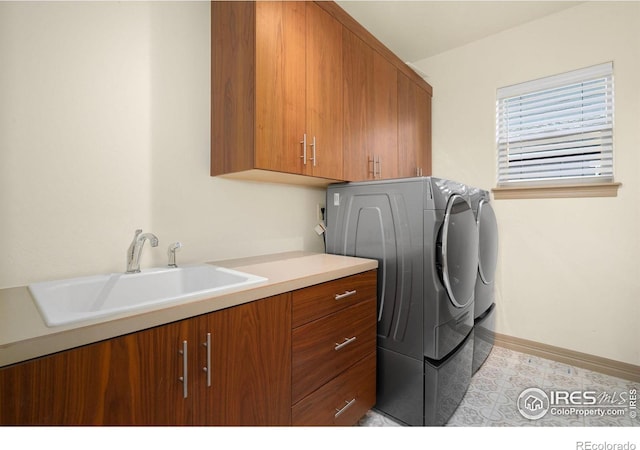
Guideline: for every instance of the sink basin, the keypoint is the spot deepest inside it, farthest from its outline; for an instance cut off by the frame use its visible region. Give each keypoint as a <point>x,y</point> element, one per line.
<point>72,300</point>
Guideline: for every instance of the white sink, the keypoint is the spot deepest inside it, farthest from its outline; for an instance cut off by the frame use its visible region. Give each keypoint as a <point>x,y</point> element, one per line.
<point>72,300</point>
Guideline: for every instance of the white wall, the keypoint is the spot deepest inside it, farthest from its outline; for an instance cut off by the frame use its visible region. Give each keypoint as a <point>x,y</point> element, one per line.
<point>104,128</point>
<point>569,270</point>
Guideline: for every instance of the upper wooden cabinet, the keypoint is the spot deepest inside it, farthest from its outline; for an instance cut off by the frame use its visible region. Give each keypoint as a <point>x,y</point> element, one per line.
<point>324,93</point>
<point>370,112</point>
<point>302,88</point>
<point>276,89</point>
<point>280,86</point>
<point>414,128</point>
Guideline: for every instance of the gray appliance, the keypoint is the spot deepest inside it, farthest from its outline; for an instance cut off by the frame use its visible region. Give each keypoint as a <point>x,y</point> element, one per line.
<point>484,308</point>
<point>423,233</point>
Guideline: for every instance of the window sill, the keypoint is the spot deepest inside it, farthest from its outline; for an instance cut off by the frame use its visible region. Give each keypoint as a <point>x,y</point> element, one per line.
<point>557,191</point>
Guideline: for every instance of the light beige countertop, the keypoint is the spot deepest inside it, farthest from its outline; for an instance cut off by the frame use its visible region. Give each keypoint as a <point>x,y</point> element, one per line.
<point>24,335</point>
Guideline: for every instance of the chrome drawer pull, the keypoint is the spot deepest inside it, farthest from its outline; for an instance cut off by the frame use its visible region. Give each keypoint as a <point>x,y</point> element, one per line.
<point>185,365</point>
<point>344,408</point>
<point>347,341</point>
<point>207,368</point>
<point>345,294</point>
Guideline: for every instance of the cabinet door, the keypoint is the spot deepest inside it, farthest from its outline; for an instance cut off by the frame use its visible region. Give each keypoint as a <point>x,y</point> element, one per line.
<point>370,112</point>
<point>147,376</point>
<point>414,128</point>
<point>357,148</point>
<point>384,116</point>
<point>251,365</point>
<point>63,389</point>
<point>324,93</point>
<point>130,380</point>
<point>280,85</point>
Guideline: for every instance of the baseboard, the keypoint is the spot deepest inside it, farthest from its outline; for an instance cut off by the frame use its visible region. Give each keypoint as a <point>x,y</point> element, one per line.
<point>584,360</point>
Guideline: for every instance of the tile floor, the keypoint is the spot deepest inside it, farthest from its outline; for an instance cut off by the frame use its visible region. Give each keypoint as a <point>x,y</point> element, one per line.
<point>494,389</point>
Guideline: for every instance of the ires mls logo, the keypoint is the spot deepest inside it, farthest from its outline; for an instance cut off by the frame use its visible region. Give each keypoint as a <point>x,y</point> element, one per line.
<point>533,403</point>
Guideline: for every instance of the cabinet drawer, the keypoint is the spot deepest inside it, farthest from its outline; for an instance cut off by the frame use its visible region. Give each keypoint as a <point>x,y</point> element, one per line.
<point>317,301</point>
<point>324,348</point>
<point>342,401</point>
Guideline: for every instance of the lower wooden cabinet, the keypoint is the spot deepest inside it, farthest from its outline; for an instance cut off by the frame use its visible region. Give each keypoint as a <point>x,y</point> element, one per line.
<point>127,380</point>
<point>160,376</point>
<point>334,351</point>
<point>305,358</point>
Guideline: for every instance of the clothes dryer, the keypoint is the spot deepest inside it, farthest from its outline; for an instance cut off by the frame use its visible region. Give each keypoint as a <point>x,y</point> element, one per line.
<point>424,235</point>
<point>484,307</point>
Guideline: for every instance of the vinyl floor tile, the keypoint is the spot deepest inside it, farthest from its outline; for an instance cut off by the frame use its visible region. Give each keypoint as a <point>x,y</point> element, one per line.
<point>491,399</point>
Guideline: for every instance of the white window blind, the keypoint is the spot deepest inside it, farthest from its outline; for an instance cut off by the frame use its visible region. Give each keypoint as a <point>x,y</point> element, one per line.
<point>557,129</point>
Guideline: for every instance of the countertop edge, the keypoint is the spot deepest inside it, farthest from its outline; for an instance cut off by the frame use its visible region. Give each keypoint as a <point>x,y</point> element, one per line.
<point>58,339</point>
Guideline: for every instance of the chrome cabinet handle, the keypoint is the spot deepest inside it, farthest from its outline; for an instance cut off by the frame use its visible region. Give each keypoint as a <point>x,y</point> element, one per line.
<point>345,294</point>
<point>184,377</point>
<point>344,408</point>
<point>375,161</point>
<point>207,368</point>
<point>304,149</point>
<point>372,161</point>
<point>313,145</point>
<point>346,341</point>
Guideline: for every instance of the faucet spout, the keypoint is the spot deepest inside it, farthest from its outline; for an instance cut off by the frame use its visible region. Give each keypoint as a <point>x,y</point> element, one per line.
<point>135,249</point>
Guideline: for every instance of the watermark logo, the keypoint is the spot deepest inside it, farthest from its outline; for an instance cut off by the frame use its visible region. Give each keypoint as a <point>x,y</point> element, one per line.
<point>534,403</point>
<point>589,445</point>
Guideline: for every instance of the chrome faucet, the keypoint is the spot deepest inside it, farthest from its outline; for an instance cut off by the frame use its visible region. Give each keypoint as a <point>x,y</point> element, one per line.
<point>135,249</point>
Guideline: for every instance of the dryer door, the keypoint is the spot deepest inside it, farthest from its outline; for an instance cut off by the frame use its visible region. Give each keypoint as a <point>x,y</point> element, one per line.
<point>459,248</point>
<point>488,234</point>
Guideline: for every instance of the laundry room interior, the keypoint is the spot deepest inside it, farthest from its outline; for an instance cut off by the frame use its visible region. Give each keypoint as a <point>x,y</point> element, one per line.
<point>110,123</point>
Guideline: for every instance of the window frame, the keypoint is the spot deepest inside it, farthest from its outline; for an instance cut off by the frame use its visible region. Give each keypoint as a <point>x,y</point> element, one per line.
<point>562,185</point>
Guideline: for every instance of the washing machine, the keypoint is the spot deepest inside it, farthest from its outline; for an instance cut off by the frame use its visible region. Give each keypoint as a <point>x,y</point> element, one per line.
<point>484,306</point>
<point>424,235</point>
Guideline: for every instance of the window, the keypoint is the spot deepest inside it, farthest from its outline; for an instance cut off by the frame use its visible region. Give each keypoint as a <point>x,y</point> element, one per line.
<point>557,130</point>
